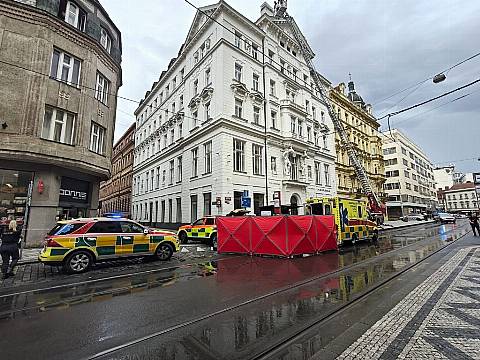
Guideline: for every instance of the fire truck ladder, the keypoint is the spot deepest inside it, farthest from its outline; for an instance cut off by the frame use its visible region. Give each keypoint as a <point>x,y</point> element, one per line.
<point>339,128</point>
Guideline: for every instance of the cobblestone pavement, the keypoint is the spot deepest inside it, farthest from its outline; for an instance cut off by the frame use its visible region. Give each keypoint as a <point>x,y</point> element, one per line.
<point>439,319</point>
<point>34,272</point>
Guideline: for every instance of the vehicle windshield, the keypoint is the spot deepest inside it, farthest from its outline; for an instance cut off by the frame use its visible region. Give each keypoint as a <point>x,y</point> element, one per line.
<point>65,229</point>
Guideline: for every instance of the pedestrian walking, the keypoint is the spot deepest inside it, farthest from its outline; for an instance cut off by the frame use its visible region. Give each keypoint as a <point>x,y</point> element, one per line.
<point>474,224</point>
<point>9,248</point>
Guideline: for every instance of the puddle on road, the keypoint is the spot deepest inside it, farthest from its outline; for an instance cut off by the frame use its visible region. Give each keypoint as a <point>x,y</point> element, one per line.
<point>231,273</point>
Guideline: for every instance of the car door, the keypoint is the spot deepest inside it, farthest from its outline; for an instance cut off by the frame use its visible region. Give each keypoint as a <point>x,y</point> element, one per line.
<point>104,234</point>
<point>134,239</point>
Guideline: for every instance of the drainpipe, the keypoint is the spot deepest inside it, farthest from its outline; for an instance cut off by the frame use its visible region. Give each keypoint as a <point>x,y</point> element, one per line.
<point>265,121</point>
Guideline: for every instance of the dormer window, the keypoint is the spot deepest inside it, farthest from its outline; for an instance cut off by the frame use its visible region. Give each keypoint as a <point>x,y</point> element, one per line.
<point>105,40</point>
<point>75,16</point>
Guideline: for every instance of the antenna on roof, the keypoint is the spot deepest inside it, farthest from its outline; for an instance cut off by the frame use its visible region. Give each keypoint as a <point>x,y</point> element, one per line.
<point>280,8</point>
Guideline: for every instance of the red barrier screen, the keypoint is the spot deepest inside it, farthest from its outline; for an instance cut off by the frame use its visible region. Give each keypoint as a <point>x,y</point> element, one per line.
<point>276,235</point>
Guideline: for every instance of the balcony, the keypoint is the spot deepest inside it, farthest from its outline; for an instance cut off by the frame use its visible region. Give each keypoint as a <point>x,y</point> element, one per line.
<point>290,105</point>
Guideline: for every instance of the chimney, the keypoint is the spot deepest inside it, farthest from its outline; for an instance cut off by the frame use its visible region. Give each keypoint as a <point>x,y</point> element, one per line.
<point>266,9</point>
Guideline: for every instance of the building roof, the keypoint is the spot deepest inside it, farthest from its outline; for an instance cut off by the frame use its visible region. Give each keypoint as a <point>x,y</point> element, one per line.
<point>464,186</point>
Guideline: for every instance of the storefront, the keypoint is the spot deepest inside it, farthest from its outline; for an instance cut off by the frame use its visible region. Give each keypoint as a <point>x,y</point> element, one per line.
<point>15,196</point>
<point>73,199</point>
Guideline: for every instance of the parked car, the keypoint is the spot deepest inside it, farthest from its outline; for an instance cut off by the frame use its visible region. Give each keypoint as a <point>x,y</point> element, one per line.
<point>413,217</point>
<point>460,216</point>
<point>204,229</point>
<point>77,244</point>
<point>446,218</point>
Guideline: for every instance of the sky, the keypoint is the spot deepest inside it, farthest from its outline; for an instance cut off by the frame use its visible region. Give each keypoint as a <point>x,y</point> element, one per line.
<point>387,46</point>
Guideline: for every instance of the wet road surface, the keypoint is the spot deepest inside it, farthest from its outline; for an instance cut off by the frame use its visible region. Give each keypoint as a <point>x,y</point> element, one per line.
<point>233,307</point>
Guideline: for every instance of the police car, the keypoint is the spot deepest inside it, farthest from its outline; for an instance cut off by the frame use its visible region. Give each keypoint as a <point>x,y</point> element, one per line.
<point>204,229</point>
<point>77,244</point>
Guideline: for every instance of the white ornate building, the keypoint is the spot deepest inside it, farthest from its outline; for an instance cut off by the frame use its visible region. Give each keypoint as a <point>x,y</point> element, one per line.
<point>227,117</point>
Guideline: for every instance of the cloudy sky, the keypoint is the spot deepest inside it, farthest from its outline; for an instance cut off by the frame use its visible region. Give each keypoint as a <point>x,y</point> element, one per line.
<point>387,46</point>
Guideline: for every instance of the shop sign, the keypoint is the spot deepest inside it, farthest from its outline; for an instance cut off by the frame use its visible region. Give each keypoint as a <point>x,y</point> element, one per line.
<point>228,199</point>
<point>72,190</point>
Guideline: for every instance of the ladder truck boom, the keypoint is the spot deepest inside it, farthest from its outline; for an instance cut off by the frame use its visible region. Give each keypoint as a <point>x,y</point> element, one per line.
<point>376,207</point>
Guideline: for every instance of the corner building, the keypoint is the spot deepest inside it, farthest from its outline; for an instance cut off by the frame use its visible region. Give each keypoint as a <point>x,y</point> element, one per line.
<point>235,113</point>
<point>362,129</point>
<point>59,74</point>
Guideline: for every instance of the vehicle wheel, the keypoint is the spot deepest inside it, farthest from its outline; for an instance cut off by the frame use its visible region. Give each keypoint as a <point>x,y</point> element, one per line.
<point>78,262</point>
<point>164,252</point>
<point>214,241</point>
<point>183,237</point>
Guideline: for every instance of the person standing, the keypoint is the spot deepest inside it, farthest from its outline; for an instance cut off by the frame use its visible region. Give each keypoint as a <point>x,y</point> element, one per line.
<point>474,224</point>
<point>9,248</point>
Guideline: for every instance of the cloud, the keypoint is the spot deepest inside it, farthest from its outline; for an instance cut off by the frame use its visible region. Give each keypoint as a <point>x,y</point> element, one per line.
<point>386,45</point>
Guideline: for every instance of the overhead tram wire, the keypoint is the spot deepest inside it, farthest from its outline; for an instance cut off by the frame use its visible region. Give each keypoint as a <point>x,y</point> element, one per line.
<point>429,100</point>
<point>90,88</point>
<point>430,78</point>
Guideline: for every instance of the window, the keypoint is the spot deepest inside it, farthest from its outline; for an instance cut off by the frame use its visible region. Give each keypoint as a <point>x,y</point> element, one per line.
<point>273,115</point>
<point>272,88</point>
<point>174,82</point>
<point>195,87</point>
<point>325,142</point>
<point>406,173</point>
<point>151,180</point>
<point>273,165</point>
<point>207,204</point>
<point>165,140</point>
<point>314,113</point>
<point>195,57</point>
<point>257,157</point>
<point>58,125</point>
<point>315,138</point>
<point>326,168</point>
<point>309,133</point>
<point>179,169</point>
<point>255,82</point>
<point>167,91</point>
<point>238,155</point>
<point>97,139</point>
<point>146,182</point>
<point>270,56</point>
<point>404,151</point>
<point>104,227</point>
<point>101,89</point>
<point>207,77</point>
<point>172,135</point>
<point>180,130</point>
<point>405,162</point>
<point>256,115</point>
<point>238,108</point>
<point>182,74</point>
<point>193,207</point>
<point>389,151</point>
<point>300,128</point>
<point>309,172</point>
<point>307,106</point>
<point>195,162</point>
<point>172,172</point>
<point>207,149</point>
<point>157,184</point>
<point>164,177</point>
<point>408,186</point>
<point>105,39</point>
<point>75,16</point>
<point>255,51</point>
<point>65,68</point>
<point>293,125</point>
<point>179,209</point>
<point>318,177</point>
<point>195,119</point>
<point>207,110</point>
<point>238,72</point>
<point>181,102</point>
<point>238,41</point>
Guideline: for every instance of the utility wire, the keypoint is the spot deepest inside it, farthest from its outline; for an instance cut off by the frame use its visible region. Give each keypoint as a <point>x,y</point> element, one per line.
<point>429,100</point>
<point>430,78</point>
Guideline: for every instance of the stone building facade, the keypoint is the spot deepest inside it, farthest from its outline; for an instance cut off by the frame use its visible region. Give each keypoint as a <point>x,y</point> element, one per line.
<point>234,116</point>
<point>116,192</point>
<point>362,129</point>
<point>461,198</point>
<point>410,184</point>
<point>60,70</point>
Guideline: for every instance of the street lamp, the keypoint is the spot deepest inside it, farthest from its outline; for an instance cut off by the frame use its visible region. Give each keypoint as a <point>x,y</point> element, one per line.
<point>439,78</point>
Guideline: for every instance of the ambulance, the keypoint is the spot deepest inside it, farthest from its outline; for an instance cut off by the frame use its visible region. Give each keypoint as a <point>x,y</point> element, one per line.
<point>351,218</point>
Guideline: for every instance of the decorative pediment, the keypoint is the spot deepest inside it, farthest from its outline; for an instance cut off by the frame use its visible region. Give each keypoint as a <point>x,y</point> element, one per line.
<point>324,128</point>
<point>199,20</point>
<point>239,88</point>
<point>257,97</point>
<point>206,93</point>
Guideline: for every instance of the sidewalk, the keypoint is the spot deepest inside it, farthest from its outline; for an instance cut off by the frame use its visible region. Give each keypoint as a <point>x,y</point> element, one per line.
<point>29,255</point>
<point>439,319</point>
<point>396,224</point>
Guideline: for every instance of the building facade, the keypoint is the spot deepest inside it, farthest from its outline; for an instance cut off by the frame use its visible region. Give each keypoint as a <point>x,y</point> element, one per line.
<point>461,198</point>
<point>234,116</point>
<point>362,129</point>
<point>410,183</point>
<point>60,71</point>
<point>116,192</point>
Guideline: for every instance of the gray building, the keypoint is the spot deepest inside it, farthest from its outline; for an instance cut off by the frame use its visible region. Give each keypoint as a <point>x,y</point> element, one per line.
<point>60,70</point>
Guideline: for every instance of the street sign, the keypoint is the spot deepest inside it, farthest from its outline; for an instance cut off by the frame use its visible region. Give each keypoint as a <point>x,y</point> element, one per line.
<point>246,202</point>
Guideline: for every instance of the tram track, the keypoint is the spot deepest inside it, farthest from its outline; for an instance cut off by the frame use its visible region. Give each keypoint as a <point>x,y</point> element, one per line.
<point>224,310</point>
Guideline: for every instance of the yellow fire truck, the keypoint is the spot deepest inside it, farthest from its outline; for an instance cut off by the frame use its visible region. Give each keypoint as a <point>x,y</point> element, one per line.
<point>351,218</point>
